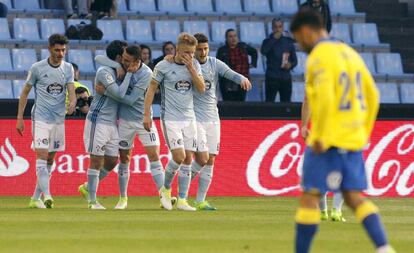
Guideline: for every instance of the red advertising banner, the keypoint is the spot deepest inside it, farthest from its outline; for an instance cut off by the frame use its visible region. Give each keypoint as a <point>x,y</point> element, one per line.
<point>257,158</point>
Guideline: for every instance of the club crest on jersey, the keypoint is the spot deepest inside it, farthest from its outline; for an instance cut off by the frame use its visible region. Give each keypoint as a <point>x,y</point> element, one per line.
<point>54,89</point>
<point>183,86</point>
<point>208,84</point>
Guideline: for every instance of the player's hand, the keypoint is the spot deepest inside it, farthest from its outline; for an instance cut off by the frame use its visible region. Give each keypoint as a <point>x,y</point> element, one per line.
<point>304,132</point>
<point>245,84</point>
<point>120,73</point>
<point>287,66</point>
<point>318,147</point>
<point>71,107</point>
<point>169,58</point>
<point>188,61</point>
<point>100,89</point>
<point>133,67</point>
<point>147,122</point>
<point>20,126</point>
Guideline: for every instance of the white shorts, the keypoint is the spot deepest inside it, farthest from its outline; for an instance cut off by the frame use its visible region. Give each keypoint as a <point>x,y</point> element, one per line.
<point>180,134</point>
<point>48,136</point>
<point>128,130</point>
<point>100,139</point>
<point>208,137</point>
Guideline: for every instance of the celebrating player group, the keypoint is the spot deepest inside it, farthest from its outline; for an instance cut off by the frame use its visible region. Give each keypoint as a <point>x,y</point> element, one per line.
<point>121,109</point>
<point>341,106</point>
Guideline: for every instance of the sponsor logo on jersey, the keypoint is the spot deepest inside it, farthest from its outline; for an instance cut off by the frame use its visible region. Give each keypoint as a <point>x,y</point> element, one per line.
<point>54,89</point>
<point>183,86</point>
<point>208,84</point>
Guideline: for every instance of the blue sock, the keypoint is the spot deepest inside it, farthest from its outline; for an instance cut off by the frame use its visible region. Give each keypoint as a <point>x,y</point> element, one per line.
<point>307,222</point>
<point>322,203</point>
<point>195,169</point>
<point>184,180</point>
<point>204,182</point>
<point>375,230</point>
<point>170,172</point>
<point>304,237</point>
<point>157,173</point>
<point>93,182</point>
<point>338,201</point>
<point>43,177</point>
<point>123,178</point>
<point>103,173</point>
<point>367,214</point>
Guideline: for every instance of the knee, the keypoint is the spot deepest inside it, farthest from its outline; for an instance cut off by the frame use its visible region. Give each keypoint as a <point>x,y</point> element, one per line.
<point>352,200</point>
<point>309,200</point>
<point>153,156</point>
<point>179,157</point>
<point>202,159</point>
<point>211,160</point>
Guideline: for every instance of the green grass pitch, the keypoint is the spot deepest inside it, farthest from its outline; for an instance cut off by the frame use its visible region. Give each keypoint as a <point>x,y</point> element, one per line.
<point>241,225</point>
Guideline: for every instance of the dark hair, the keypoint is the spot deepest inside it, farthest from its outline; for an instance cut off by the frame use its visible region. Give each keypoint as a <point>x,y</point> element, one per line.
<point>201,38</point>
<point>59,39</point>
<point>229,31</point>
<point>81,90</point>
<point>75,66</point>
<point>115,48</point>
<point>143,46</point>
<point>134,50</point>
<point>306,16</point>
<point>277,20</point>
<point>165,44</point>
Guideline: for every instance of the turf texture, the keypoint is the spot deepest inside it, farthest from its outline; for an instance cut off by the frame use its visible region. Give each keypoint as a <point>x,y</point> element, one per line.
<point>262,225</point>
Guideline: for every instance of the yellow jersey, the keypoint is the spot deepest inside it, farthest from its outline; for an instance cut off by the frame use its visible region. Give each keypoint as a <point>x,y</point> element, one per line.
<point>342,96</point>
<point>77,84</point>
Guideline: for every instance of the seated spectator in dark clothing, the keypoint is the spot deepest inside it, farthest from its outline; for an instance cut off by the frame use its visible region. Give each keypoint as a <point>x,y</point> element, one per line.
<point>280,59</point>
<point>322,7</point>
<point>103,8</point>
<point>235,55</point>
<point>168,48</point>
<point>146,56</point>
<point>3,10</point>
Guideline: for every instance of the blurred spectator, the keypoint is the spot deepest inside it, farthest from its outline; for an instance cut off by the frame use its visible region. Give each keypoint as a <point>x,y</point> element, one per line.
<point>103,8</point>
<point>280,59</point>
<point>77,83</point>
<point>146,56</point>
<point>323,8</point>
<point>3,10</point>
<point>168,48</point>
<point>83,102</point>
<point>235,55</point>
<point>82,7</point>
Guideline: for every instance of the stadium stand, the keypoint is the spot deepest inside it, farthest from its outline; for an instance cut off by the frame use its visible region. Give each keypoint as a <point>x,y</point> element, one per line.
<point>6,91</point>
<point>23,35</point>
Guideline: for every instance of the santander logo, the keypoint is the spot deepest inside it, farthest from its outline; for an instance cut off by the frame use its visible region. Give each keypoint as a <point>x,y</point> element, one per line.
<point>385,172</point>
<point>11,164</point>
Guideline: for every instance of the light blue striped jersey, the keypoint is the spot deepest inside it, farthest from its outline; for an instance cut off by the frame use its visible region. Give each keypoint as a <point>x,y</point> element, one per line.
<point>132,105</point>
<point>103,108</point>
<point>176,90</point>
<point>49,84</point>
<point>205,105</point>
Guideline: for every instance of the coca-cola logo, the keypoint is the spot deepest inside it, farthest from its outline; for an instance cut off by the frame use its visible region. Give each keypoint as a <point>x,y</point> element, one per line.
<point>11,164</point>
<point>382,175</point>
